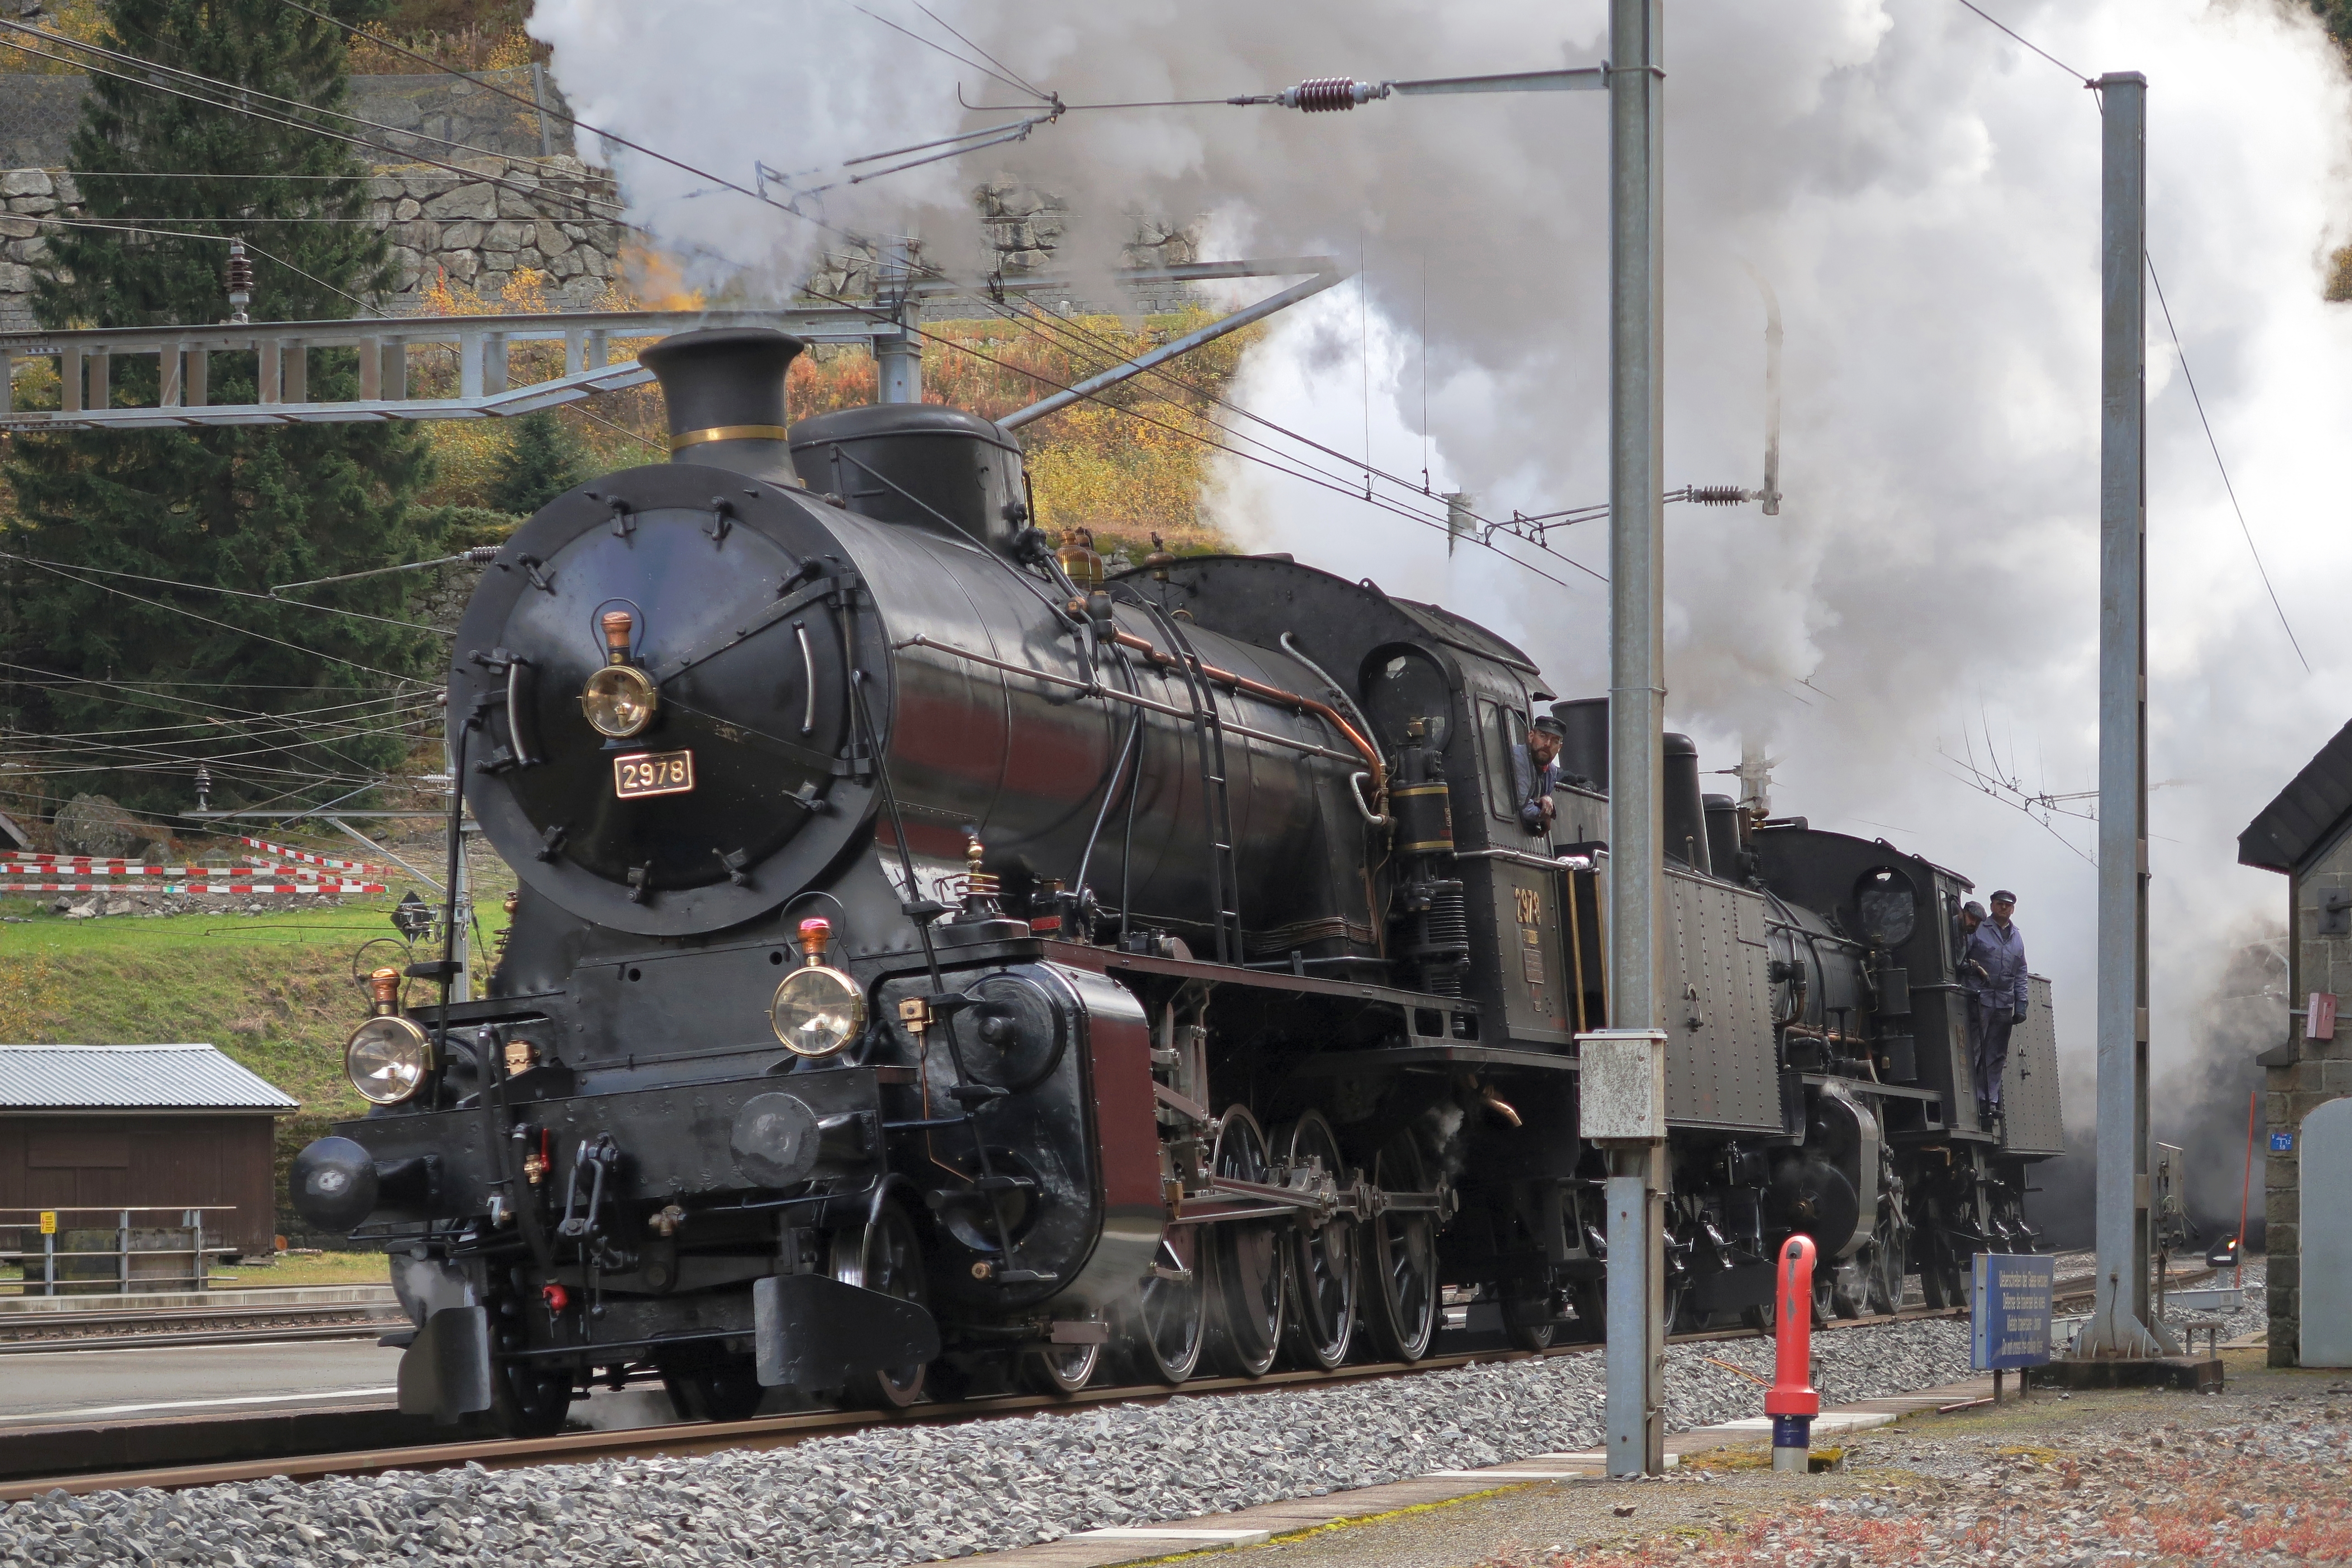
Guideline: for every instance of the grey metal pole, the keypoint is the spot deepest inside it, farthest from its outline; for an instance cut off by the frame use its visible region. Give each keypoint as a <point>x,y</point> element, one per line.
<point>2120,1321</point>
<point>1636,1352</point>
<point>898,351</point>
<point>465,953</point>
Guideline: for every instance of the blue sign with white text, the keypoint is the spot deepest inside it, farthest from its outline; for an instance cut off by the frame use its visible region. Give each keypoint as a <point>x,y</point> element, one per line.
<point>2282,1143</point>
<point>2009,1298</point>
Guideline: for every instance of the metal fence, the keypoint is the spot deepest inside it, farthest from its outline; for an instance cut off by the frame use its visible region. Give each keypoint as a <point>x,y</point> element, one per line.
<point>72,1260</point>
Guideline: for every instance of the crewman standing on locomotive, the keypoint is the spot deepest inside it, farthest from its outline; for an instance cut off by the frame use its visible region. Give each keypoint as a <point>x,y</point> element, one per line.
<point>1535,768</point>
<point>1992,968</point>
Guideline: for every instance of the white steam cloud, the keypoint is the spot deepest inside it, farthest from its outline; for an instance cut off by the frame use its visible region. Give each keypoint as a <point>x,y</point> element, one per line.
<point>1923,195</point>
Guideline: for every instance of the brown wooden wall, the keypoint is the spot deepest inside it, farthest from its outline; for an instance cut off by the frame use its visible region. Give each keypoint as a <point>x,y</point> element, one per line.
<point>123,1158</point>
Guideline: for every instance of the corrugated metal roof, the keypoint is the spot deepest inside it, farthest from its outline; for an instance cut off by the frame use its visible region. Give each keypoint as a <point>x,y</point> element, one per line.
<point>2306,814</point>
<point>131,1078</point>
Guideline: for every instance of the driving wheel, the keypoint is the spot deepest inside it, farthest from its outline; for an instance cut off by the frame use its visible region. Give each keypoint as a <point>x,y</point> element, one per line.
<point>1401,1307</point>
<point>1164,1336</point>
<point>1246,1316</point>
<point>1322,1258</point>
<point>885,1256</point>
<point>1059,1369</point>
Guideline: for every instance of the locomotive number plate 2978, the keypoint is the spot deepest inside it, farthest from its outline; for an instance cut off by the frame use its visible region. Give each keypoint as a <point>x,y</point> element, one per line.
<point>642,773</point>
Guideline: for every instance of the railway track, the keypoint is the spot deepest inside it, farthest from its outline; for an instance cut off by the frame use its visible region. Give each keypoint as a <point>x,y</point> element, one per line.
<point>46,1332</point>
<point>309,1445</point>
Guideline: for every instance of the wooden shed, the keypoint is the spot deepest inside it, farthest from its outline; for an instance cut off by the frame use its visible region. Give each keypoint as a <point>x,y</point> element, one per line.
<point>141,1126</point>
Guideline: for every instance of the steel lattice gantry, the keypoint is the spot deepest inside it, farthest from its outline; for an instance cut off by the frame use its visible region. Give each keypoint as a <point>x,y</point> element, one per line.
<point>390,349</point>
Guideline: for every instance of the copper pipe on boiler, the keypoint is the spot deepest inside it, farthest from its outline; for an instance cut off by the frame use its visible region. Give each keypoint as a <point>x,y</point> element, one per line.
<point>1276,694</point>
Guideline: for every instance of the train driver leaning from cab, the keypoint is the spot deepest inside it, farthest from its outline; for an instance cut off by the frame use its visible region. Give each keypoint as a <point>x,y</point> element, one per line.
<point>1993,969</point>
<point>1536,770</point>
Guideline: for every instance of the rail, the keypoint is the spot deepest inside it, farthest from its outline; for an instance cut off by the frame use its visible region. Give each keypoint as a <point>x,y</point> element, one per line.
<point>304,1445</point>
<point>49,1222</point>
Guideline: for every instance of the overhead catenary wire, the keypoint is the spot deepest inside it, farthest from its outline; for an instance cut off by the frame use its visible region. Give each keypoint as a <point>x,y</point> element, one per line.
<point>942,48</point>
<point>244,91</point>
<point>231,106</point>
<point>1017,79</point>
<point>132,226</point>
<point>56,570</point>
<point>742,190</point>
<point>2186,374</point>
<point>2215,445</point>
<point>2029,43</point>
<point>923,267</point>
<point>239,593</point>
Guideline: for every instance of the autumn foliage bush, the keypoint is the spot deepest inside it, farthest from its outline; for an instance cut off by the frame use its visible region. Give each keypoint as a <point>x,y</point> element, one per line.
<point>1127,464</point>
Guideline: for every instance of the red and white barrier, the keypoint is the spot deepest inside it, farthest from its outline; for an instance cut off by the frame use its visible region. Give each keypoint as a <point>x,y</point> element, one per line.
<point>279,860</point>
<point>192,888</point>
<point>310,859</point>
<point>13,866</point>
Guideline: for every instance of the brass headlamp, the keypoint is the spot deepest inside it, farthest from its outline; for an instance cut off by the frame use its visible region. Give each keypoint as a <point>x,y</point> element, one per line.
<point>620,699</point>
<point>818,1010</point>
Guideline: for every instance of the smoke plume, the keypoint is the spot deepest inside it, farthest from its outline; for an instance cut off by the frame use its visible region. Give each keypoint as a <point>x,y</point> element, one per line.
<point>1922,196</point>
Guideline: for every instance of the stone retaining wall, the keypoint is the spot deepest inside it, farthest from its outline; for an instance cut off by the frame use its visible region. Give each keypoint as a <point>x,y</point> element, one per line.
<point>480,234</point>
<point>420,114</point>
<point>473,232</point>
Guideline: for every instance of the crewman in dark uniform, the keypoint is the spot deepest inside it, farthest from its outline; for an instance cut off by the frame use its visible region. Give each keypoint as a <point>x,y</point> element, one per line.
<point>1535,768</point>
<point>1993,969</point>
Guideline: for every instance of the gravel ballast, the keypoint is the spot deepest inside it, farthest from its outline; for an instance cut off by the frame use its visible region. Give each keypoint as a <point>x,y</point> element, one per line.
<point>908,1494</point>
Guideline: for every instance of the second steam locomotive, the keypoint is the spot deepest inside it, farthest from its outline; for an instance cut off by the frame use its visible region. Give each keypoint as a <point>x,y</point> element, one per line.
<point>937,968</point>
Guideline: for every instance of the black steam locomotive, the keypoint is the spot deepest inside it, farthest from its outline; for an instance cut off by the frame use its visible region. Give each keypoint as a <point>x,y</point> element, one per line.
<point>935,966</point>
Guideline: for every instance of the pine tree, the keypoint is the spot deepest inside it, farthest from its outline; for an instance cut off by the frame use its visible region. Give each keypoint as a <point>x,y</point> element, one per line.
<point>544,459</point>
<point>282,702</point>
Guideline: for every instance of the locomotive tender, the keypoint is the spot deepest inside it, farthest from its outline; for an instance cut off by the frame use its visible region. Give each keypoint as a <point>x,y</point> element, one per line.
<point>936,967</point>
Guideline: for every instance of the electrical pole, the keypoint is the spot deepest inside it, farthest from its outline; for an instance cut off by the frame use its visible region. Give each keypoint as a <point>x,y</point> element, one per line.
<point>2120,1321</point>
<point>897,357</point>
<point>1636,1183</point>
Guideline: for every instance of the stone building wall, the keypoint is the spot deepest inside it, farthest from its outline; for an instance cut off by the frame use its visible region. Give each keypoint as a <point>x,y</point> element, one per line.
<point>2301,1076</point>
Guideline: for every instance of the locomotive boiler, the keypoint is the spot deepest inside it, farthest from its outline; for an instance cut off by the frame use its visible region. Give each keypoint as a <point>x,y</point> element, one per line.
<point>935,971</point>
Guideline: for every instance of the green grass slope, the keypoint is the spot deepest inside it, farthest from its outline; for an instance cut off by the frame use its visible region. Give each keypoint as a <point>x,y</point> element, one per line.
<point>275,991</point>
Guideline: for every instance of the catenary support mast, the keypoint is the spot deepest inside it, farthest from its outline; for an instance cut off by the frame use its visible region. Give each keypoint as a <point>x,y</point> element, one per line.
<point>1636,711</point>
<point>2120,1322</point>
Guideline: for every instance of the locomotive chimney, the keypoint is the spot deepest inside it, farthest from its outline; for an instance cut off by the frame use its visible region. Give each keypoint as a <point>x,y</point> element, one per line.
<point>725,389</point>
<point>1686,807</point>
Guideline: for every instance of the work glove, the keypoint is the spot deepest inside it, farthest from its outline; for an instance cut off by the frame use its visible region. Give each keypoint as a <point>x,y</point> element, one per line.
<point>2017,1017</point>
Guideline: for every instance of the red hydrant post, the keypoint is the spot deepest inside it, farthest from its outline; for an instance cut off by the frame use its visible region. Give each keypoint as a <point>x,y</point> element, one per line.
<point>1791,1402</point>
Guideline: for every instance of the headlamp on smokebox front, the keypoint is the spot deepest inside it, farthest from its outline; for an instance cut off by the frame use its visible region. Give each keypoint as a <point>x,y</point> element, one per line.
<point>818,1009</point>
<point>387,1060</point>
<point>619,700</point>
